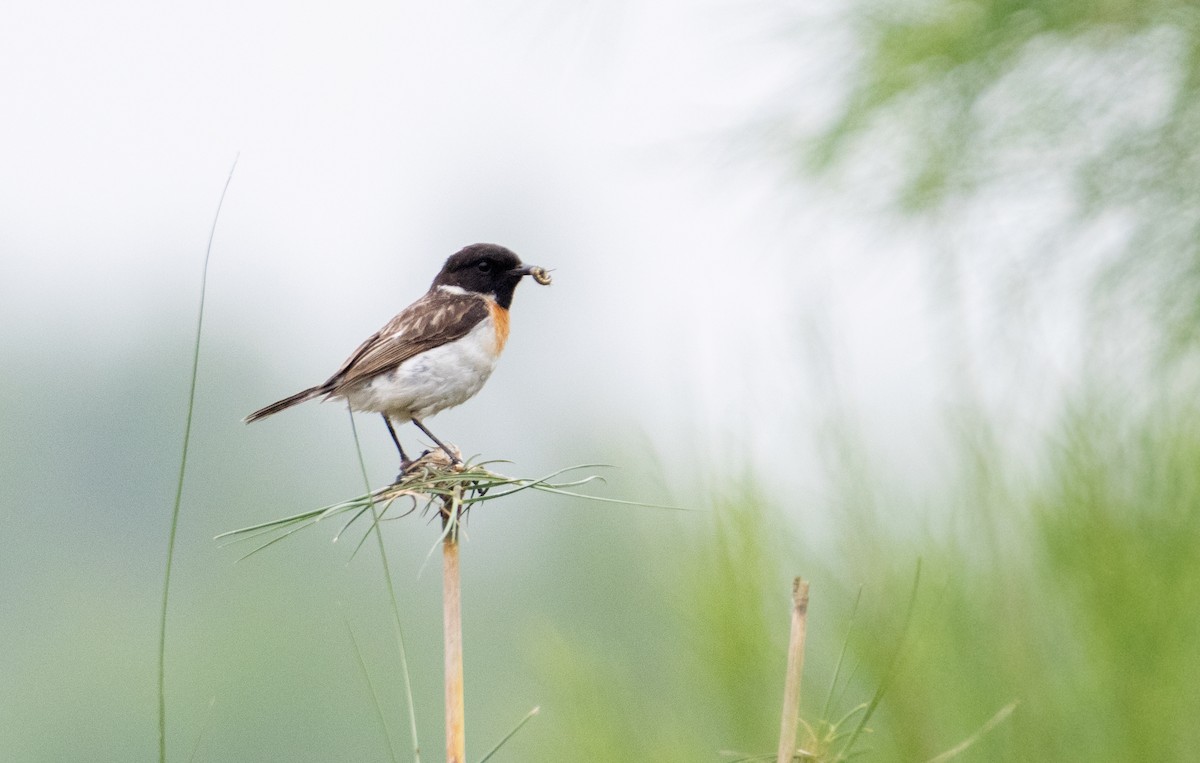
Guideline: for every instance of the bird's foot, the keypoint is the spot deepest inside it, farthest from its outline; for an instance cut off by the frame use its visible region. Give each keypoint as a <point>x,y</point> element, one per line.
<point>430,461</point>
<point>430,458</point>
<point>407,465</point>
<point>450,453</point>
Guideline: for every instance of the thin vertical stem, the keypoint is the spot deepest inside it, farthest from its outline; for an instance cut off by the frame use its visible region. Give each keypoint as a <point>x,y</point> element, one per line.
<point>391,591</point>
<point>187,436</point>
<point>362,665</point>
<point>795,667</point>
<point>452,634</point>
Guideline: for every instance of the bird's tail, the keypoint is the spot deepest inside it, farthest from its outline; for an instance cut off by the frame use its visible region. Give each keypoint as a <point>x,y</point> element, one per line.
<point>287,402</point>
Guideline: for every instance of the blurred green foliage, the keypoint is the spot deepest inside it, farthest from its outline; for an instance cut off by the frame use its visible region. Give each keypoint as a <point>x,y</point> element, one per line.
<point>1077,602</point>
<point>1093,108</point>
<point>652,635</point>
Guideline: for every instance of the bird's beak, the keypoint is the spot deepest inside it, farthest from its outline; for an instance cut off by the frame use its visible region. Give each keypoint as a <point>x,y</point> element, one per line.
<point>541,275</point>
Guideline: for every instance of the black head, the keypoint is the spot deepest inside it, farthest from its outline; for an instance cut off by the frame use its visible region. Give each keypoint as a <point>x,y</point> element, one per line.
<point>484,269</point>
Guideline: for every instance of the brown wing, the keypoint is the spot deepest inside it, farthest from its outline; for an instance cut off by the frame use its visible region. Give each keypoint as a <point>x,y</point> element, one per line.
<point>434,319</point>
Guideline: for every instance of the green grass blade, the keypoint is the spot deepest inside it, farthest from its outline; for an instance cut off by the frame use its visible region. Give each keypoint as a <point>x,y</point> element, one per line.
<point>449,525</point>
<point>837,668</point>
<point>391,590</point>
<point>376,523</point>
<point>311,516</point>
<point>510,734</point>
<point>890,674</point>
<point>991,723</point>
<point>187,436</point>
<point>534,484</point>
<point>208,715</point>
<point>362,665</point>
<point>338,536</point>
<point>601,499</point>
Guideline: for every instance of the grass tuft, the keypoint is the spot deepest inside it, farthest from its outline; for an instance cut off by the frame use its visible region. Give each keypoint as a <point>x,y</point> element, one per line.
<point>433,479</point>
<point>452,489</point>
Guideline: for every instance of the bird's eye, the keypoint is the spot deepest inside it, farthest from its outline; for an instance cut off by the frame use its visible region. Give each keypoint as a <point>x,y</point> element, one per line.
<point>484,266</point>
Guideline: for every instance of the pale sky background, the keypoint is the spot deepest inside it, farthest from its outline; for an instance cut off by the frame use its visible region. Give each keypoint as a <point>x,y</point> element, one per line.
<point>607,142</point>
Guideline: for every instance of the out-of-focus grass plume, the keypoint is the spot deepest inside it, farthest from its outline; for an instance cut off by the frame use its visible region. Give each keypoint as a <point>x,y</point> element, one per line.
<point>1091,110</point>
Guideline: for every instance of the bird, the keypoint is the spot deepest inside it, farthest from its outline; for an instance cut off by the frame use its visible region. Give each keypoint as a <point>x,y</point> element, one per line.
<point>436,353</point>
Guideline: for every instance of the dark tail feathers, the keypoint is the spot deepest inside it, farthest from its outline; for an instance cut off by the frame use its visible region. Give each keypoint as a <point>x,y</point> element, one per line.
<point>287,402</point>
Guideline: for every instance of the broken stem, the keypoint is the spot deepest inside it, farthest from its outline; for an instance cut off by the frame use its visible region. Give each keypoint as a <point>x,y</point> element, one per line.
<point>795,666</point>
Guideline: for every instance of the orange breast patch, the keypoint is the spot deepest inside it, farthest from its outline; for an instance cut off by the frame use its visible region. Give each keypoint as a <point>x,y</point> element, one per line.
<point>500,321</point>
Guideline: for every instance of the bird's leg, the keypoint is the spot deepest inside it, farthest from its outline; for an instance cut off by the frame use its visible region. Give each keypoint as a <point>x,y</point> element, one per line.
<point>440,444</point>
<point>404,462</point>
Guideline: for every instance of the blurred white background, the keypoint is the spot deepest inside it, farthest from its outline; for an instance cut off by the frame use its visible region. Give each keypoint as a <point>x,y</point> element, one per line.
<point>602,141</point>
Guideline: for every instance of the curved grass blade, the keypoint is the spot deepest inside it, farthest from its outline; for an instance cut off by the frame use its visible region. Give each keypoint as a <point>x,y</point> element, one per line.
<point>511,733</point>
<point>618,501</point>
<point>187,437</point>
<point>890,674</point>
<point>208,715</point>
<point>837,668</point>
<point>391,590</point>
<point>468,487</point>
<point>362,666</point>
<point>991,723</point>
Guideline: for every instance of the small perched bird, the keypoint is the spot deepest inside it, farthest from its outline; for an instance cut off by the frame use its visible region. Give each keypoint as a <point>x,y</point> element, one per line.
<point>437,352</point>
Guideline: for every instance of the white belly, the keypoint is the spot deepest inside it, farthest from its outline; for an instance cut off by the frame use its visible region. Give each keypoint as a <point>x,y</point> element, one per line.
<point>433,381</point>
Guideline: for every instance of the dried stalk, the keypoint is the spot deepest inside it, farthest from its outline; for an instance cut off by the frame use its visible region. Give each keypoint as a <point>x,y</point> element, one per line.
<point>795,666</point>
<point>452,632</point>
